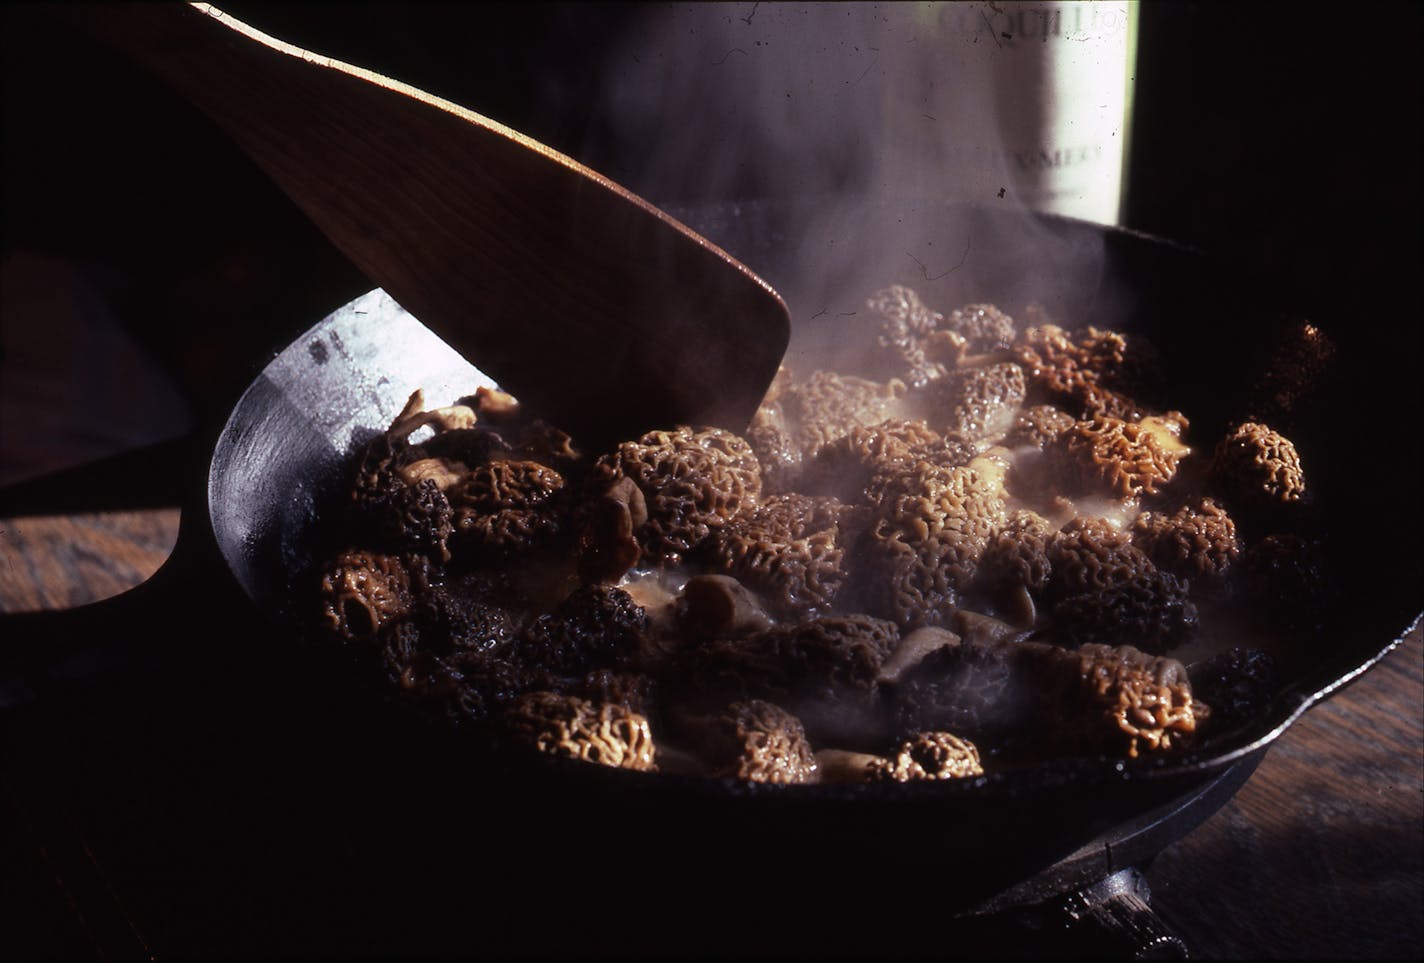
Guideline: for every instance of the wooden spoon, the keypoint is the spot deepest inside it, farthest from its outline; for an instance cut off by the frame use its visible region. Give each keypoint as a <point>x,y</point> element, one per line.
<point>597,310</point>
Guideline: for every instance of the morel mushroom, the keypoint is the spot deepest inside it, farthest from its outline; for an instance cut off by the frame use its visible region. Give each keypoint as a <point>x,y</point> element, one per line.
<point>846,467</point>
<point>1237,684</point>
<point>572,728</point>
<point>507,506</point>
<point>824,670</point>
<point>1284,585</point>
<point>1125,701</point>
<point>983,326</point>
<point>1301,359</point>
<point>1148,608</point>
<point>1198,541</point>
<point>790,548</point>
<point>1090,554</point>
<point>923,546</point>
<point>906,330</point>
<point>461,686</point>
<point>363,591</point>
<point>827,406</point>
<point>596,626</point>
<point>397,514</point>
<point>1088,372</point>
<point>1028,698</point>
<point>473,613</point>
<point>692,482</point>
<point>1258,466</point>
<point>1037,426</point>
<point>1015,558</point>
<point>982,402</point>
<point>929,755</point>
<point>754,740</point>
<point>1122,458</point>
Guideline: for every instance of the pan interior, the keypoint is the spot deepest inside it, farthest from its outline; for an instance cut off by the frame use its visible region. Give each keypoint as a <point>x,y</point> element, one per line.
<point>284,450</point>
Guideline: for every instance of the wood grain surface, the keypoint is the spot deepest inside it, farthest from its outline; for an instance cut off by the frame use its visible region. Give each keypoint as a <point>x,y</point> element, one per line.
<point>1320,855</point>
<point>60,561</point>
<point>585,301</point>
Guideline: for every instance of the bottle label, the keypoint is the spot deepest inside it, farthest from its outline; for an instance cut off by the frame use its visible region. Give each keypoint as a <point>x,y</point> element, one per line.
<point>1026,102</point>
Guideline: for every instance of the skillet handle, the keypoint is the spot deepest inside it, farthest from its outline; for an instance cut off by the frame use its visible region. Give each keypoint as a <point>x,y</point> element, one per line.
<point>1113,920</point>
<point>43,654</point>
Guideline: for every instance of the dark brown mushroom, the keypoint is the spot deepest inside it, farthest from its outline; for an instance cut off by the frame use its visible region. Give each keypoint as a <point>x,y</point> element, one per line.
<point>1198,541</point>
<point>1257,465</point>
<point>361,592</point>
<point>692,482</point>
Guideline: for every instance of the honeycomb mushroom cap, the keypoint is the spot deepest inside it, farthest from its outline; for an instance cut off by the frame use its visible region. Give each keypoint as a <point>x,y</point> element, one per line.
<point>929,755</point>
<point>472,612</point>
<point>692,482</point>
<point>845,467</point>
<point>1258,465</point>
<point>983,692</point>
<point>1285,586</point>
<point>827,405</point>
<point>567,726</point>
<point>1124,701</point>
<point>1150,609</point>
<point>596,626</point>
<point>1090,554</point>
<point>757,741</point>
<point>983,402</point>
<point>393,514</point>
<point>1123,458</point>
<point>363,591</point>
<point>777,450</point>
<point>1089,371</point>
<point>461,686</point>
<point>790,548</point>
<point>983,326</point>
<point>905,329</point>
<point>1038,426</point>
<point>923,547</point>
<point>1028,699</point>
<point>1016,554</point>
<point>483,687</point>
<point>1198,541</point>
<point>1302,357</point>
<point>507,506</point>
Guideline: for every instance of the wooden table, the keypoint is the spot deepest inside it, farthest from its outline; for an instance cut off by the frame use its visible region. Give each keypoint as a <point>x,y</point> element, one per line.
<point>1320,855</point>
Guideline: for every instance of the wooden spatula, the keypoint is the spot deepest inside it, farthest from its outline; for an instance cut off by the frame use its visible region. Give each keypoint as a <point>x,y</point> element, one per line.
<point>599,311</point>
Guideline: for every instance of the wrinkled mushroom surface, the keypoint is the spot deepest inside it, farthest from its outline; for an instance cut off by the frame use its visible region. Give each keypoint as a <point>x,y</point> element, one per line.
<point>986,545</point>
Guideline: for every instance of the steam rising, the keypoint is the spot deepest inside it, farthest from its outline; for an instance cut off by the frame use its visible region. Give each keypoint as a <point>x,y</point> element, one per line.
<point>871,117</point>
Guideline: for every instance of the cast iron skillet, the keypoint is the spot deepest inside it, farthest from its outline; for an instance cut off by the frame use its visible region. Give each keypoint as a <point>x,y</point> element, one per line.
<point>283,451</point>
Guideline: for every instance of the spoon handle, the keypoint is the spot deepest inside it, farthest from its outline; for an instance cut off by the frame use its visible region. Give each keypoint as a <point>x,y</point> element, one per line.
<point>604,314</point>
